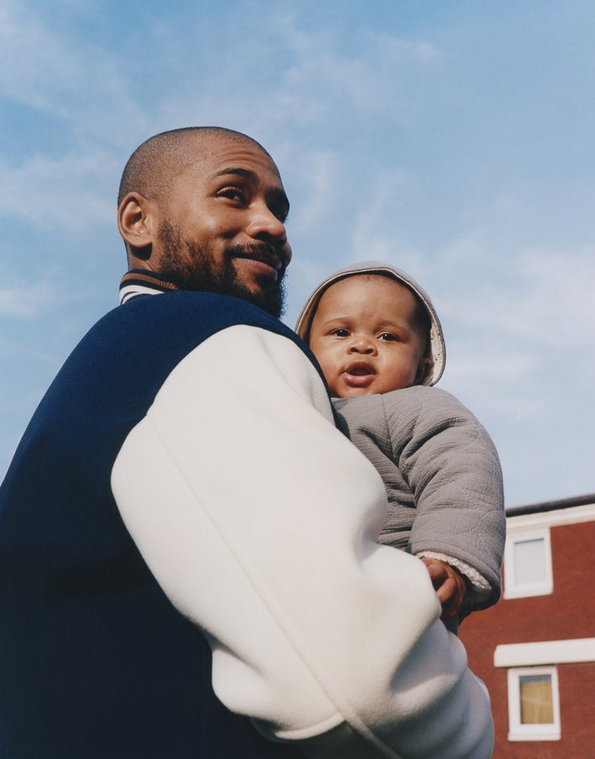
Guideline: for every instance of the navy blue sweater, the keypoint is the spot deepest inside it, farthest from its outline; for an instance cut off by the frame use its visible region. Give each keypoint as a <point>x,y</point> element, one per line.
<point>95,662</point>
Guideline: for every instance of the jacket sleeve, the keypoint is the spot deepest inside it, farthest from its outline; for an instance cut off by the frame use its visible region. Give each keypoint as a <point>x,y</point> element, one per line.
<point>259,520</point>
<point>453,469</point>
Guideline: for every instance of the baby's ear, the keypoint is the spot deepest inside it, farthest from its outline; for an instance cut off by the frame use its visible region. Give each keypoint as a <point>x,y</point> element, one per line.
<point>423,370</point>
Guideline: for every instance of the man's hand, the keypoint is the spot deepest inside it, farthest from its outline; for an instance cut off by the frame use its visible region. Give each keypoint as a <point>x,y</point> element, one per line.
<point>449,584</point>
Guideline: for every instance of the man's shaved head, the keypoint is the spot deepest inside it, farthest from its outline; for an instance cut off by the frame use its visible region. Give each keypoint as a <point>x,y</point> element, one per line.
<point>157,162</point>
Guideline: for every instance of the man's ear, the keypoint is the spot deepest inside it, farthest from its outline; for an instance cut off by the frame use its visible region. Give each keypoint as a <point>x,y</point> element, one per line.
<point>137,222</point>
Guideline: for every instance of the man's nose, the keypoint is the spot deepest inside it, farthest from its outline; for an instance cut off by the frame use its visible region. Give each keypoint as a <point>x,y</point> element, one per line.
<point>264,225</point>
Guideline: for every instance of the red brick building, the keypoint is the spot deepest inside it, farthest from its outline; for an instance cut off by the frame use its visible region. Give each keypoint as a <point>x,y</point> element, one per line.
<point>536,649</point>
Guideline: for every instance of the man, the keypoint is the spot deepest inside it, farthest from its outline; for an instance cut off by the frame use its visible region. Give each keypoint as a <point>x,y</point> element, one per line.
<point>181,576</point>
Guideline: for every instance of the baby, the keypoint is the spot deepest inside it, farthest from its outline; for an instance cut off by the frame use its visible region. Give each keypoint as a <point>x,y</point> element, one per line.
<point>379,342</point>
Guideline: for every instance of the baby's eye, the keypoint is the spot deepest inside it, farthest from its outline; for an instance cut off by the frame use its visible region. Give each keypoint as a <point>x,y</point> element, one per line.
<point>340,333</point>
<point>387,336</point>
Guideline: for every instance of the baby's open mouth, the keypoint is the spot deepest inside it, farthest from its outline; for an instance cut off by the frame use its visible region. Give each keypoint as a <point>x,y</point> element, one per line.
<point>359,375</point>
<point>360,369</point>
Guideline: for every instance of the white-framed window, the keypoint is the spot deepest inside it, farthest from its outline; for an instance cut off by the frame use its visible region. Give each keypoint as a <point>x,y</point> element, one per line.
<point>533,704</point>
<point>528,564</point>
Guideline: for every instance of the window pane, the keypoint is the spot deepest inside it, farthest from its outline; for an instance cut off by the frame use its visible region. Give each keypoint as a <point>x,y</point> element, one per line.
<point>530,561</point>
<point>537,707</point>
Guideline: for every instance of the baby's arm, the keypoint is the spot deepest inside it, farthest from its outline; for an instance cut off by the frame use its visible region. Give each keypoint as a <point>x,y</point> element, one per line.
<point>452,467</point>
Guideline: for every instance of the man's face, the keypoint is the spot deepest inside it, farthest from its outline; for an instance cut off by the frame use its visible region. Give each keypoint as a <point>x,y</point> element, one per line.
<point>222,225</point>
<point>365,337</point>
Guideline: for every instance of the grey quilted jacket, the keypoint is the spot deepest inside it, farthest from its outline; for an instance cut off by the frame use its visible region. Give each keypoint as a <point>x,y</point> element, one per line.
<point>442,475</point>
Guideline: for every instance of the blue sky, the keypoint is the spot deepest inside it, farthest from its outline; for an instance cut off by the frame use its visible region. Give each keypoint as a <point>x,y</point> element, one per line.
<point>454,140</point>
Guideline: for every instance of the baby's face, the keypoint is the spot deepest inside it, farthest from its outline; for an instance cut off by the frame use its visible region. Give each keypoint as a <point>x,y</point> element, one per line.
<point>365,336</point>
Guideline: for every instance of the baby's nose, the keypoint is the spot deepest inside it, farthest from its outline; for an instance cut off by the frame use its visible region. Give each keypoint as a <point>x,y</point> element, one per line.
<point>361,345</point>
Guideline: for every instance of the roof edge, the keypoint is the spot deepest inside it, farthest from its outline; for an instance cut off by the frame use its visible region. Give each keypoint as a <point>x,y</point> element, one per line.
<point>564,503</point>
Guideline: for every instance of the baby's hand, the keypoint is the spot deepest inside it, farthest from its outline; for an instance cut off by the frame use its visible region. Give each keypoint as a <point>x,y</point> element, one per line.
<point>449,584</point>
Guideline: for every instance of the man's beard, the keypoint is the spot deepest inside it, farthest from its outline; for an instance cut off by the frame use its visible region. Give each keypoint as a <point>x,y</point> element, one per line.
<point>190,267</point>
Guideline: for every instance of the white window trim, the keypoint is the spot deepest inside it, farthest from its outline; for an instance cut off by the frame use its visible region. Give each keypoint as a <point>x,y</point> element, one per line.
<point>544,588</point>
<point>520,732</point>
<point>554,518</point>
<point>570,651</point>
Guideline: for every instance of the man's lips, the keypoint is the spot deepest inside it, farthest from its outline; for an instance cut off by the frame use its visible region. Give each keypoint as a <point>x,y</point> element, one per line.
<point>263,262</point>
<point>359,374</point>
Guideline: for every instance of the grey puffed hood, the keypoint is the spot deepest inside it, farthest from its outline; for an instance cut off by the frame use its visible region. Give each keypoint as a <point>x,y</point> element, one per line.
<point>437,350</point>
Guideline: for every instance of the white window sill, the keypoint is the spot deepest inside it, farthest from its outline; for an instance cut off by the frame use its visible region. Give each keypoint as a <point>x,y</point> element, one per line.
<point>534,736</point>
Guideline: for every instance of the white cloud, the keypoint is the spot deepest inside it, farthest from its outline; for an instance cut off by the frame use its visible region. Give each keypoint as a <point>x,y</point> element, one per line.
<point>22,302</point>
<point>369,79</point>
<point>75,81</point>
<point>533,295</point>
<point>67,192</point>
<point>372,234</point>
<point>281,82</point>
<point>558,305</point>
<point>321,173</point>
<point>35,64</point>
<point>496,366</point>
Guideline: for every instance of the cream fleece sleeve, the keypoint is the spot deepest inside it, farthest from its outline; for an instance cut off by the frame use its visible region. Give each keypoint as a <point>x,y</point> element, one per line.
<point>259,520</point>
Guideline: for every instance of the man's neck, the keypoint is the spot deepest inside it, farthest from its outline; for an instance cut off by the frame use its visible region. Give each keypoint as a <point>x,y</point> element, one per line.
<point>139,282</point>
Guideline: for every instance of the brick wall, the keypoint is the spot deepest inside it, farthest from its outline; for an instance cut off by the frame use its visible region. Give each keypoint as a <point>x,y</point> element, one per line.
<point>567,613</point>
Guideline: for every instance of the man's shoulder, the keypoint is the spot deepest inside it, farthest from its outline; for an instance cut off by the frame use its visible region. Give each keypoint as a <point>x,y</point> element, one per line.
<point>174,316</point>
<point>183,304</point>
<point>125,358</point>
<point>150,335</point>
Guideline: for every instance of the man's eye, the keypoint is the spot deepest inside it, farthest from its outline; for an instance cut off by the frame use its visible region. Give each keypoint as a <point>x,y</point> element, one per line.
<point>387,336</point>
<point>233,193</point>
<point>280,213</point>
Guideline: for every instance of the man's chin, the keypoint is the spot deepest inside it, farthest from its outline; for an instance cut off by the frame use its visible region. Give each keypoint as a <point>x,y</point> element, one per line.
<point>260,285</point>
<point>271,299</point>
